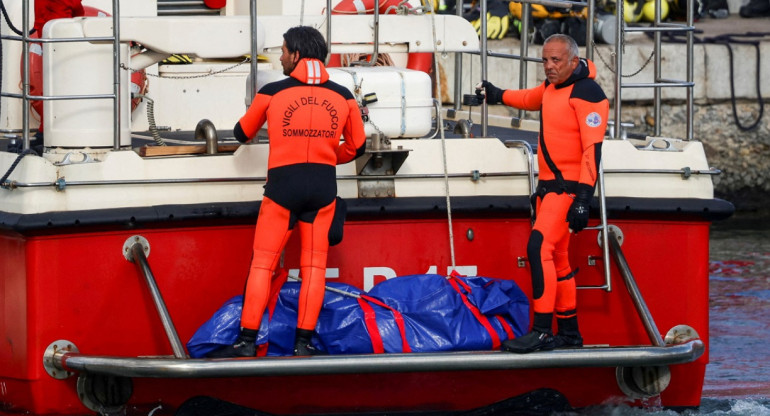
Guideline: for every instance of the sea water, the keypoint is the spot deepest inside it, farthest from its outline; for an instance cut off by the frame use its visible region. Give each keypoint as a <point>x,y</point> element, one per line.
<point>738,374</point>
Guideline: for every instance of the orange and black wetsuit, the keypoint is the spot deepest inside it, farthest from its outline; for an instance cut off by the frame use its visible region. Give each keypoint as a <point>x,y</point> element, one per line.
<point>573,121</point>
<point>306,114</point>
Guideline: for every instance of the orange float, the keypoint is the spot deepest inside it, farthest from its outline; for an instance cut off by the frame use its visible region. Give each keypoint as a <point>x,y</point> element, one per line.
<point>420,61</point>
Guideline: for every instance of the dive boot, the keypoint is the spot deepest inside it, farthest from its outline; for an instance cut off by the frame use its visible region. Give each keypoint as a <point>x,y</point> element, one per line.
<point>569,334</point>
<point>534,341</point>
<point>244,346</point>
<point>567,341</point>
<point>302,345</point>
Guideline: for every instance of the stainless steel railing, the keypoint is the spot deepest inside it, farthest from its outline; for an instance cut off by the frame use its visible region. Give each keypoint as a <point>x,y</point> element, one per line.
<point>659,81</point>
<point>134,251</point>
<point>25,95</point>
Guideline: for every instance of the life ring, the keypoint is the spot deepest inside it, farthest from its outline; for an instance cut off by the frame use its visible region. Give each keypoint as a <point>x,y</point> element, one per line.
<point>139,81</point>
<point>420,61</point>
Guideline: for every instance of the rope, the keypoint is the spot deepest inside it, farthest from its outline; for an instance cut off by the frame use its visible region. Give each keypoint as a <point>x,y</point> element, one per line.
<point>3,182</point>
<point>611,67</point>
<point>8,20</point>
<point>760,101</point>
<point>208,74</point>
<point>151,120</point>
<point>440,126</point>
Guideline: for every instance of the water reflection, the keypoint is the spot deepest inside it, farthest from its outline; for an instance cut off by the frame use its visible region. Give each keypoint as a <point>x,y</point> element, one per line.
<point>738,375</point>
<point>739,300</point>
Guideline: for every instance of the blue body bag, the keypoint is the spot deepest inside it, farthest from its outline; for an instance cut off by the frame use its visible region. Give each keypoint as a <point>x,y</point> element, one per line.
<point>418,313</point>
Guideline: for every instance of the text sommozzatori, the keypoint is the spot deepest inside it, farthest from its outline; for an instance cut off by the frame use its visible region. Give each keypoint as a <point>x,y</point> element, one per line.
<point>301,102</point>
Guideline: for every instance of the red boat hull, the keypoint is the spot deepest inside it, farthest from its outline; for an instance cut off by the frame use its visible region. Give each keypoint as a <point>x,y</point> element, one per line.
<point>78,286</point>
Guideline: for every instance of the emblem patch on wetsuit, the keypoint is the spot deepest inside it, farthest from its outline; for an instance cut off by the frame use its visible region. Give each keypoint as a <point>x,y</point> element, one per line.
<point>594,119</point>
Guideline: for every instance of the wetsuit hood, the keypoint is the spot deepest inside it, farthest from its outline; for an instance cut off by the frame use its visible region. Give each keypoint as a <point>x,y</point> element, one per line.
<point>310,71</point>
<point>585,69</point>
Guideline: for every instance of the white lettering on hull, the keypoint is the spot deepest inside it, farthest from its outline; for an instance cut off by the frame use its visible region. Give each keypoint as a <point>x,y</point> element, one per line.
<point>371,273</point>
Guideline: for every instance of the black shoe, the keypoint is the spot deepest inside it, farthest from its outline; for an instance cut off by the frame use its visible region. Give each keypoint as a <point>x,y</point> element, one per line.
<point>302,344</point>
<point>244,346</point>
<point>533,341</point>
<point>301,349</point>
<point>241,348</point>
<point>567,341</point>
<point>755,8</point>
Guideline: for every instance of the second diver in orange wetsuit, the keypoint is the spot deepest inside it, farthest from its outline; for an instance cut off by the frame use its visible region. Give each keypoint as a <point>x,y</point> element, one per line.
<point>573,119</point>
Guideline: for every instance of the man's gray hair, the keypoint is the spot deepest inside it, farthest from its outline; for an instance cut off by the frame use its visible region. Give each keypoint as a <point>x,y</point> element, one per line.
<point>571,44</point>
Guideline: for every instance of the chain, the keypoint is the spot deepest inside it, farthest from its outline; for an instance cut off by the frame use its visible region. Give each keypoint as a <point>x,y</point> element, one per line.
<point>611,67</point>
<point>245,60</point>
<point>375,126</point>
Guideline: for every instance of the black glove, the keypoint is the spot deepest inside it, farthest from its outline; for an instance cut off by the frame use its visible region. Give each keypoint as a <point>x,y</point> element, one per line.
<point>493,94</point>
<point>577,216</point>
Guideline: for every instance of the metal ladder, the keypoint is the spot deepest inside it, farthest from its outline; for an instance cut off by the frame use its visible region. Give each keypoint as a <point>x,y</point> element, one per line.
<point>25,95</point>
<point>621,28</point>
<point>659,80</point>
<point>606,233</point>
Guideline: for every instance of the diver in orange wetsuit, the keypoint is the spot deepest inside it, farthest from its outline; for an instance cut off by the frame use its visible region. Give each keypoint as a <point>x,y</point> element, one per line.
<point>306,115</point>
<point>573,119</point>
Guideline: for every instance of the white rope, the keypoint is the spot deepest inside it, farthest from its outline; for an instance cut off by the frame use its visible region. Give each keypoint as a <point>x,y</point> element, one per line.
<point>440,126</point>
<point>152,412</point>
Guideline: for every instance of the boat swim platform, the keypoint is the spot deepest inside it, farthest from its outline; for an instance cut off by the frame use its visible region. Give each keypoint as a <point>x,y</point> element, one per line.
<point>62,359</point>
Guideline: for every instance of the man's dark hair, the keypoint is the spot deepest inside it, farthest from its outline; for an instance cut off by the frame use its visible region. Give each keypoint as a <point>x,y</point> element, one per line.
<point>306,40</point>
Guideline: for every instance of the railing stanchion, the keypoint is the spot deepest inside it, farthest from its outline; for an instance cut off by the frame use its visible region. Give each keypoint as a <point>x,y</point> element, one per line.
<point>143,266</point>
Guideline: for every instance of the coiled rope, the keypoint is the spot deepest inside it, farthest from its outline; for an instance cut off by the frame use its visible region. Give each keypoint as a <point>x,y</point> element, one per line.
<point>151,120</point>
